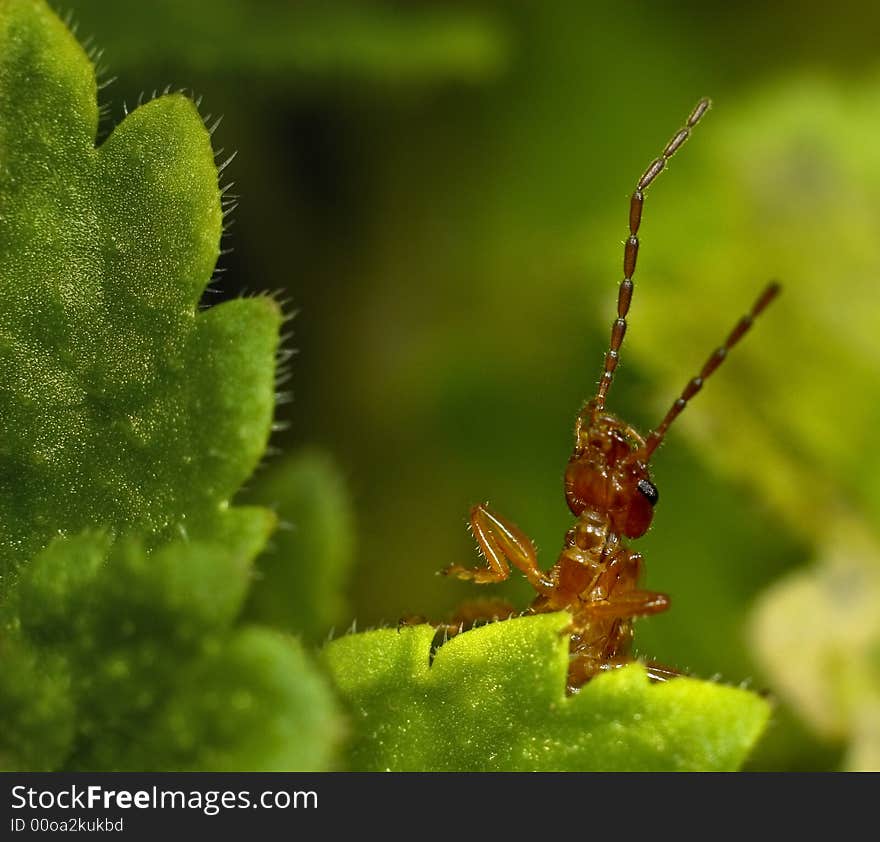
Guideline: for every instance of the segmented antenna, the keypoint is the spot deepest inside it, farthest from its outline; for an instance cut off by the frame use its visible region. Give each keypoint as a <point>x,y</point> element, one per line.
<point>715,359</point>
<point>631,248</point>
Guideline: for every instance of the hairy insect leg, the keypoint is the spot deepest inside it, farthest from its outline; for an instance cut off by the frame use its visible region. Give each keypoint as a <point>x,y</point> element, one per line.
<point>473,612</point>
<point>413,620</point>
<point>469,615</point>
<point>582,668</point>
<point>660,672</point>
<point>629,604</point>
<point>623,564</point>
<point>502,544</point>
<point>478,611</point>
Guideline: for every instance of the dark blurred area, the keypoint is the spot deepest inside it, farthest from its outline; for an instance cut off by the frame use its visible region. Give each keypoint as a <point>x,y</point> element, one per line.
<point>440,189</point>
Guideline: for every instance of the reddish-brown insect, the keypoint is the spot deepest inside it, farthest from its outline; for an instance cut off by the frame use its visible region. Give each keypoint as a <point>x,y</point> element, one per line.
<point>609,490</point>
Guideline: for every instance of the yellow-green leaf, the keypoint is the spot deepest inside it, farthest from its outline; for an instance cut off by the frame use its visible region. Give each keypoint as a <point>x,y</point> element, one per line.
<point>494,699</point>
<point>120,405</point>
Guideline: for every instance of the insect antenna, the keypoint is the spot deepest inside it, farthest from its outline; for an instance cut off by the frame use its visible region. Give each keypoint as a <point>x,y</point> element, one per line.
<point>631,248</point>
<point>715,359</point>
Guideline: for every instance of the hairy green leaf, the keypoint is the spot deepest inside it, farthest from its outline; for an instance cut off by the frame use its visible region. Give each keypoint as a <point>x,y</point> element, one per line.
<point>256,703</point>
<point>131,660</point>
<point>301,577</point>
<point>494,699</point>
<point>124,412</point>
<point>119,405</point>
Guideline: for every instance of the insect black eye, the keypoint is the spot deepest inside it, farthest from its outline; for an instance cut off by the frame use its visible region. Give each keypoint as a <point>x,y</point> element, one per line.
<point>649,490</point>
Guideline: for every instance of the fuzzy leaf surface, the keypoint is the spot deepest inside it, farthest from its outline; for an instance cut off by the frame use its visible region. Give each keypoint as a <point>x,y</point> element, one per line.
<point>122,659</point>
<point>119,405</point>
<point>494,699</point>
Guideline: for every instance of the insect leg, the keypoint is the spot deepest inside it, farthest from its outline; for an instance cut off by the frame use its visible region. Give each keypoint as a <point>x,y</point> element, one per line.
<point>478,611</point>
<point>629,604</point>
<point>659,672</point>
<point>502,544</point>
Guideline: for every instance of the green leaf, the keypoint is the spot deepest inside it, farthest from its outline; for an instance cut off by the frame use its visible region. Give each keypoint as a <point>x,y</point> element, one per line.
<point>124,413</point>
<point>256,703</point>
<point>494,699</point>
<point>304,41</point>
<point>37,714</point>
<point>119,405</point>
<point>300,579</point>
<point>132,660</point>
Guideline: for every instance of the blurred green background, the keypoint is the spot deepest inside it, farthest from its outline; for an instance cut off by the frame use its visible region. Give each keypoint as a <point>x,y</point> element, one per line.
<point>440,189</point>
